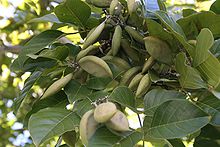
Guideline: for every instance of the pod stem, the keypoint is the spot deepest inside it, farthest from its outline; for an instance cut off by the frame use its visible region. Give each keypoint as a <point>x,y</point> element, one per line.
<point>141,125</point>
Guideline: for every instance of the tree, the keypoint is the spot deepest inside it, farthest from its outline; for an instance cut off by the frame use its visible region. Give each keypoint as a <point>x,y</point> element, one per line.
<point>131,59</point>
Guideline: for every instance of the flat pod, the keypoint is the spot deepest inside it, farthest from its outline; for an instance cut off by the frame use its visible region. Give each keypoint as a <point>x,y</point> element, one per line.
<point>118,122</point>
<point>95,66</point>
<point>86,51</point>
<point>143,86</point>
<point>94,35</point>
<point>158,49</point>
<point>117,61</point>
<point>128,75</point>
<point>116,40</point>
<point>88,126</point>
<point>104,112</point>
<point>148,64</point>
<point>135,34</point>
<point>135,81</point>
<point>57,85</point>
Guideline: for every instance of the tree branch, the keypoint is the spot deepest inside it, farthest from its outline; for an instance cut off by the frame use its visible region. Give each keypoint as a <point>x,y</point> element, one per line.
<point>12,49</point>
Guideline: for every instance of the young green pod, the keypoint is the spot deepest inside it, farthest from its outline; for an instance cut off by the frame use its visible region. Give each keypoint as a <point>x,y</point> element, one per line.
<point>57,86</point>
<point>94,35</point>
<point>135,81</point>
<point>95,66</point>
<point>87,126</point>
<point>116,40</point>
<point>148,64</point>
<point>104,112</point>
<point>84,52</point>
<point>113,6</point>
<point>128,75</point>
<point>143,86</point>
<point>118,122</point>
<point>135,34</point>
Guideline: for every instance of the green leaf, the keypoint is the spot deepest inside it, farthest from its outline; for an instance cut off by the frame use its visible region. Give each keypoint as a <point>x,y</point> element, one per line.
<point>156,97</point>
<point>35,45</point>
<point>205,41</point>
<point>103,138</point>
<point>130,140</point>
<point>188,12</point>
<point>59,53</point>
<point>211,105</point>
<point>215,49</point>
<point>51,122</point>
<point>189,76</point>
<point>85,105</point>
<point>156,30</point>
<point>124,96</point>
<point>175,29</point>
<point>209,136</point>
<point>176,143</point>
<point>46,18</point>
<point>73,11</point>
<point>176,119</point>
<point>57,100</point>
<point>98,83</point>
<point>215,7</point>
<point>204,19</point>
<point>75,91</point>
<point>210,70</point>
<point>26,90</point>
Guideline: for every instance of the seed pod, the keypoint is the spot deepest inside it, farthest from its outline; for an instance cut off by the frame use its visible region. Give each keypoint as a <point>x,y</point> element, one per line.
<point>84,52</point>
<point>132,53</point>
<point>57,85</point>
<point>117,62</point>
<point>135,81</point>
<point>95,66</point>
<point>104,112</point>
<point>128,75</point>
<point>148,64</point>
<point>90,32</point>
<point>94,35</point>
<point>158,49</point>
<point>134,34</point>
<point>132,6</point>
<point>115,8</point>
<point>143,86</point>
<point>118,122</point>
<point>100,3</point>
<point>87,126</point>
<point>116,40</point>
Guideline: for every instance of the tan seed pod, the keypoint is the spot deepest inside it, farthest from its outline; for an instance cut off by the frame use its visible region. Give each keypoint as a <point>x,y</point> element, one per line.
<point>148,64</point>
<point>57,86</point>
<point>135,34</point>
<point>84,52</point>
<point>94,35</point>
<point>113,5</point>
<point>117,62</point>
<point>135,81</point>
<point>128,75</point>
<point>132,6</point>
<point>143,86</point>
<point>104,112</point>
<point>87,126</point>
<point>118,122</point>
<point>116,40</point>
<point>95,66</point>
